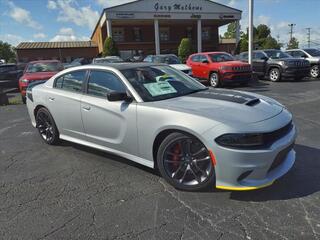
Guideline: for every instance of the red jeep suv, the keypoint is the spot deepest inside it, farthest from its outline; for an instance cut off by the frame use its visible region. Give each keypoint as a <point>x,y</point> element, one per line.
<point>38,70</point>
<point>219,68</point>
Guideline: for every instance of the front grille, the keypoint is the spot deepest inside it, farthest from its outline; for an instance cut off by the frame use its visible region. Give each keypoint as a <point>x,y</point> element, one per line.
<point>241,69</point>
<point>280,158</point>
<point>271,137</point>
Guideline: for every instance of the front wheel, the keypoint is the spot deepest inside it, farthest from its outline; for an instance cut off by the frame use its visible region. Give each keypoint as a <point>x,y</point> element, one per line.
<point>47,127</point>
<point>214,80</point>
<point>274,75</point>
<point>314,71</point>
<point>185,163</point>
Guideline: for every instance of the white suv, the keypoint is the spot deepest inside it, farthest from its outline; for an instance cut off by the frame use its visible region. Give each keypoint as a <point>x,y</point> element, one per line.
<point>310,54</point>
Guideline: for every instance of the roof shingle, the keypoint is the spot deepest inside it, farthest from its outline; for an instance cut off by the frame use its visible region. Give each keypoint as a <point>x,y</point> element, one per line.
<point>73,44</point>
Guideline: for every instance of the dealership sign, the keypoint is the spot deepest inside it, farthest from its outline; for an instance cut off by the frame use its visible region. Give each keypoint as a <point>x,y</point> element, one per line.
<point>177,7</point>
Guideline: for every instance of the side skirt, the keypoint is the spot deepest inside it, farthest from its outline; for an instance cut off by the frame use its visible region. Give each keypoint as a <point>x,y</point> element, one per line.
<point>136,159</point>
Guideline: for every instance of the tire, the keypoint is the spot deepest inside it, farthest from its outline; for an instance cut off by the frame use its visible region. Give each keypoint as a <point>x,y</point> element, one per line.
<point>47,127</point>
<point>274,75</point>
<point>24,99</point>
<point>315,71</point>
<point>214,80</point>
<point>185,163</point>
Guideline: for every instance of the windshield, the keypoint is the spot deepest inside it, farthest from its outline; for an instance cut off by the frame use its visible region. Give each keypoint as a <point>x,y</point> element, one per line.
<point>221,57</point>
<point>167,59</point>
<point>277,54</point>
<point>313,52</point>
<point>44,67</point>
<point>108,60</point>
<point>156,83</point>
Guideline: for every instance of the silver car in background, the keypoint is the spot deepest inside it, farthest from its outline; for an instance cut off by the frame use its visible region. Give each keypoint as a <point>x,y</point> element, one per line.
<point>159,117</point>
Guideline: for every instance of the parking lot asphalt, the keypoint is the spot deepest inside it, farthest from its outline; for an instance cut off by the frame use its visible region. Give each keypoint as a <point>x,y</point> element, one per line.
<point>73,192</point>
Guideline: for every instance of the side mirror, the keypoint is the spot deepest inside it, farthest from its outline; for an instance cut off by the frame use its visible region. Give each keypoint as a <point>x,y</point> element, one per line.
<point>118,96</point>
<point>205,61</point>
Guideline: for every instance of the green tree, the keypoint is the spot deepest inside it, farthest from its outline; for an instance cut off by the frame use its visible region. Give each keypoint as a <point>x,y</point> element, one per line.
<point>270,43</point>
<point>293,43</point>
<point>7,52</point>
<point>110,48</point>
<point>185,49</point>
<point>231,31</point>
<point>262,31</point>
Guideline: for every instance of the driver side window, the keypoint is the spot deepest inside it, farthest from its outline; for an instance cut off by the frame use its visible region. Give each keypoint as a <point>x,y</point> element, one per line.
<point>101,83</point>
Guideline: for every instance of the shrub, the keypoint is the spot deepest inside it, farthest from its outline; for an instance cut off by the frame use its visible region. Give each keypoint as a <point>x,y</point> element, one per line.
<point>185,49</point>
<point>110,48</point>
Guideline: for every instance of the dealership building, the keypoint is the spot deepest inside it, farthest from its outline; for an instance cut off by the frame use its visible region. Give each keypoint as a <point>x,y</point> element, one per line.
<point>157,26</point>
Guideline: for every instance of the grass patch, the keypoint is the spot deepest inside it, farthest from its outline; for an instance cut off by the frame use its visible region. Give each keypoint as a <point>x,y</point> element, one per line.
<point>16,100</point>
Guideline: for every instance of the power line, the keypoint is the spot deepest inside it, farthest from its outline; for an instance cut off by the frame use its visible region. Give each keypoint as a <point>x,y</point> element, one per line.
<point>309,36</point>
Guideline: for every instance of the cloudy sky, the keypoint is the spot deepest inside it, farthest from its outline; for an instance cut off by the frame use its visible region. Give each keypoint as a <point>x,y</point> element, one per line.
<point>64,20</point>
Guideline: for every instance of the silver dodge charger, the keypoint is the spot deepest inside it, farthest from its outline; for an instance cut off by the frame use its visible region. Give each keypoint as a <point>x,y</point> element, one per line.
<point>157,116</point>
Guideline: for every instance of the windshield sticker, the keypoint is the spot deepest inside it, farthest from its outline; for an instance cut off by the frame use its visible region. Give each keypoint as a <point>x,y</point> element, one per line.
<point>159,88</point>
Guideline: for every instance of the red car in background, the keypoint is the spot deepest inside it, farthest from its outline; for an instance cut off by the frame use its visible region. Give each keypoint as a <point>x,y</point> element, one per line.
<point>38,71</point>
<point>219,68</point>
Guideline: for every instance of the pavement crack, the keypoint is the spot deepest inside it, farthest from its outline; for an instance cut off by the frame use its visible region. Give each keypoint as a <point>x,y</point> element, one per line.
<point>308,219</point>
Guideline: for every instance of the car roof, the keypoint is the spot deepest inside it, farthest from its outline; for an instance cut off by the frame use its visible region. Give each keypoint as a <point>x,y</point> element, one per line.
<point>206,53</point>
<point>45,61</point>
<point>163,55</point>
<point>124,66</point>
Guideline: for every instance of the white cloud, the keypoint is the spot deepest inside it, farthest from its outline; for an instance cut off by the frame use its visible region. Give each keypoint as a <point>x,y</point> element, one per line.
<point>52,5</point>
<point>39,35</point>
<point>12,39</point>
<point>22,16</point>
<point>66,31</point>
<point>110,3</point>
<point>262,19</point>
<point>67,34</point>
<point>69,11</point>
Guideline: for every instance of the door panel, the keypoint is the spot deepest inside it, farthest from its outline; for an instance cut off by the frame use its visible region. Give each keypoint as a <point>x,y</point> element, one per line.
<point>64,103</point>
<point>110,124</point>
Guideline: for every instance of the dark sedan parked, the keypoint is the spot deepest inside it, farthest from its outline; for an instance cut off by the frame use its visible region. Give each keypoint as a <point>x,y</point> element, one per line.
<point>276,65</point>
<point>9,75</point>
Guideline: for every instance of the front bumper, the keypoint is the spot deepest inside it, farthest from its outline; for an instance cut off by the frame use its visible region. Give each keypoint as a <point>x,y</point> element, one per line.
<point>242,169</point>
<point>296,72</point>
<point>233,77</point>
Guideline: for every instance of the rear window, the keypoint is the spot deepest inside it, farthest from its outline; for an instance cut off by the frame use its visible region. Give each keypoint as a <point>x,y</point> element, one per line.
<point>71,81</point>
<point>7,68</point>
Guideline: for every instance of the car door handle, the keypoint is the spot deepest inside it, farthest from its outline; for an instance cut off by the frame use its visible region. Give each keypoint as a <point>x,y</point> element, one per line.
<point>86,108</point>
<point>51,99</point>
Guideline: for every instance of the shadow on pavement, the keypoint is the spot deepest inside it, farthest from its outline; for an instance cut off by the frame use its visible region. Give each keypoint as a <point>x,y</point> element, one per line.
<point>302,180</point>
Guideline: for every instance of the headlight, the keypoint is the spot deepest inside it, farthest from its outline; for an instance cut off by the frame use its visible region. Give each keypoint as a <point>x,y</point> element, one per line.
<point>241,140</point>
<point>24,80</point>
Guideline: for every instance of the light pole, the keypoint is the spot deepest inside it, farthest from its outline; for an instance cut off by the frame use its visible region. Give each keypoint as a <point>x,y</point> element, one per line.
<point>250,33</point>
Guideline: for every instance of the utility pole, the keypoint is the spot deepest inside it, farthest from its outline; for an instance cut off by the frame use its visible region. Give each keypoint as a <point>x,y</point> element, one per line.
<point>309,36</point>
<point>250,33</point>
<point>291,25</point>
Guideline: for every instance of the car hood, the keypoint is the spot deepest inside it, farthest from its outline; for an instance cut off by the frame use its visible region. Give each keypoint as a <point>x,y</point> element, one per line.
<point>225,106</point>
<point>180,67</point>
<point>38,75</point>
<point>233,63</point>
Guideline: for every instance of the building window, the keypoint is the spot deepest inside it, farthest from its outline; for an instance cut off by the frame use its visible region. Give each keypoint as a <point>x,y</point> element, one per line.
<point>206,33</point>
<point>137,34</point>
<point>189,33</point>
<point>118,34</point>
<point>164,34</point>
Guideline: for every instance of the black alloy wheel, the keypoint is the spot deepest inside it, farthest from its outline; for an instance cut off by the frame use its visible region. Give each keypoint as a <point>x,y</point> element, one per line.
<point>47,127</point>
<point>185,163</point>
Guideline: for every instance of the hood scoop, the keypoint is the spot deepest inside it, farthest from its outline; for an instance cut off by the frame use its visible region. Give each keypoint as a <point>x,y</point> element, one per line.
<point>253,102</point>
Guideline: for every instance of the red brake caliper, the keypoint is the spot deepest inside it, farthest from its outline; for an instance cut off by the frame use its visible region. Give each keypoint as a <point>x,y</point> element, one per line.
<point>176,153</point>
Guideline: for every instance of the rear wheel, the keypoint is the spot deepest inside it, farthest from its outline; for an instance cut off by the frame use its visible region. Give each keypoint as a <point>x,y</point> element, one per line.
<point>214,80</point>
<point>47,127</point>
<point>315,71</point>
<point>274,75</point>
<point>185,163</point>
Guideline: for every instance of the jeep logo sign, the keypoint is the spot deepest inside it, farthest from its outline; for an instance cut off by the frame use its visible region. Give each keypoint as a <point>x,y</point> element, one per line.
<point>177,7</point>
